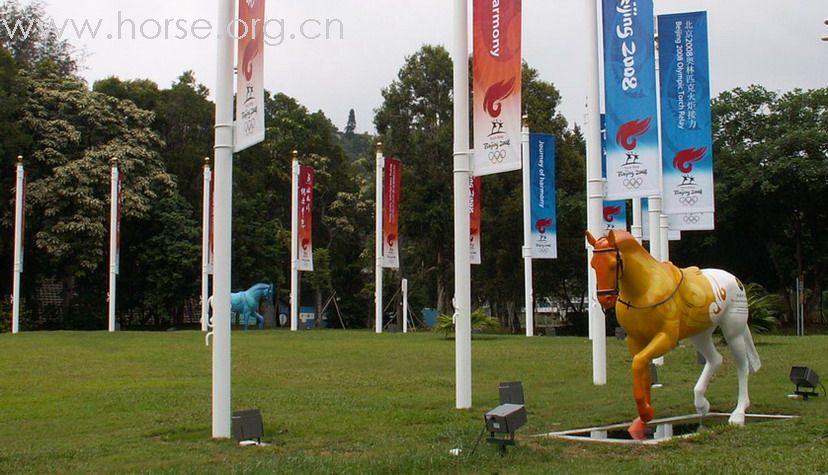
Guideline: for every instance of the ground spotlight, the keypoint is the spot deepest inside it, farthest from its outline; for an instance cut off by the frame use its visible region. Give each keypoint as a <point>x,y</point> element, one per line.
<point>247,426</point>
<point>806,381</point>
<point>508,416</point>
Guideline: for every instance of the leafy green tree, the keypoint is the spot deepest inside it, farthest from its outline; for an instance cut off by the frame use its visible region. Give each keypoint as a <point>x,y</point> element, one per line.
<point>771,161</point>
<point>415,124</point>
<point>31,36</point>
<point>74,134</point>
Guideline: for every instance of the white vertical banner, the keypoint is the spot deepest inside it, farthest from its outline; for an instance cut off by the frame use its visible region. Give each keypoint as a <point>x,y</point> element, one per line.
<point>475,221</point>
<point>250,105</point>
<point>206,240</point>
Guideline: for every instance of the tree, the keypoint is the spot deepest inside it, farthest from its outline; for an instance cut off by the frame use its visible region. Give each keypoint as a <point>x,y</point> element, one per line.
<point>771,160</point>
<point>415,124</point>
<point>74,134</point>
<point>32,37</point>
<point>351,127</point>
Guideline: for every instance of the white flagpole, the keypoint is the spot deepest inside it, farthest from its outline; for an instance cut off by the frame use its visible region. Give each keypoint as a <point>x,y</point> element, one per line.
<point>18,245</point>
<point>527,231</point>
<point>664,254</point>
<point>294,243</point>
<point>223,164</point>
<point>378,242</point>
<point>205,245</point>
<point>637,225</point>
<point>655,226</point>
<point>113,240</point>
<point>462,172</point>
<point>595,195</point>
<point>405,305</point>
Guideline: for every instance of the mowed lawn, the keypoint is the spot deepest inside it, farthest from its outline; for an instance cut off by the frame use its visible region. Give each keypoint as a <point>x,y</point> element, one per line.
<point>357,402</point>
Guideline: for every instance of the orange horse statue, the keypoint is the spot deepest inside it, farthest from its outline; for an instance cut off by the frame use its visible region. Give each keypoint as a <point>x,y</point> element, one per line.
<point>659,304</point>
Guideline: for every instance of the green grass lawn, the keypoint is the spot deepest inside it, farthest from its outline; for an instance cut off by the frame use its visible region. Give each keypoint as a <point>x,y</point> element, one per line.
<point>357,402</point>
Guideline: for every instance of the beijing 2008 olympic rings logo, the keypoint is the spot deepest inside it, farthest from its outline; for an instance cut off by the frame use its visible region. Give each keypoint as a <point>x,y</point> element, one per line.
<point>689,200</point>
<point>633,183</point>
<point>249,126</point>
<point>693,218</point>
<point>497,156</point>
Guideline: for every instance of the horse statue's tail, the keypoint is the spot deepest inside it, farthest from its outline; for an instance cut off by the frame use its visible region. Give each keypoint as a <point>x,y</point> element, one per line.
<point>754,363</point>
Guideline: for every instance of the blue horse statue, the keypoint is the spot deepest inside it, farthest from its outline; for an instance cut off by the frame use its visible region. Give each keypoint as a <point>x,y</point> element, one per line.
<point>246,304</point>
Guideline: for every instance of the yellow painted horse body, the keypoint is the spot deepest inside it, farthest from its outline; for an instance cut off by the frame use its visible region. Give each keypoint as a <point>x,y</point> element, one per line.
<point>659,304</point>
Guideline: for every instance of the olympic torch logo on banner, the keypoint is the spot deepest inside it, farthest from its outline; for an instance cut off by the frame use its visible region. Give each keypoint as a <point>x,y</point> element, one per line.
<point>391,213</point>
<point>250,111</point>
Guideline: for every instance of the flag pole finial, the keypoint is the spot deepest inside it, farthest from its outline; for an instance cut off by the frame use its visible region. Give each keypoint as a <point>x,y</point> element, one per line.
<point>20,159</point>
<point>295,154</point>
<point>113,162</point>
<point>525,120</point>
<point>379,147</point>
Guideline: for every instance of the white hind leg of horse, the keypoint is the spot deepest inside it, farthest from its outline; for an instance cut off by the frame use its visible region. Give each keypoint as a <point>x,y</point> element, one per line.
<point>735,328</point>
<point>703,342</point>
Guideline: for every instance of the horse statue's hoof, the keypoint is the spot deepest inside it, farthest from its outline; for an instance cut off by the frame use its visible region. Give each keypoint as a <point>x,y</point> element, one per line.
<point>703,409</point>
<point>736,419</point>
<point>638,429</point>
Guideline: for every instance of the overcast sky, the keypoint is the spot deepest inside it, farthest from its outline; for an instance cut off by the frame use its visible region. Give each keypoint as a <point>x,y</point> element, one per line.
<point>771,43</point>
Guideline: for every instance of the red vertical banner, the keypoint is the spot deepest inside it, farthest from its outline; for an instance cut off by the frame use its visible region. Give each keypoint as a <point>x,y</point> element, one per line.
<point>497,86</point>
<point>118,205</point>
<point>391,181</point>
<point>250,113</point>
<point>306,178</point>
<point>475,254</point>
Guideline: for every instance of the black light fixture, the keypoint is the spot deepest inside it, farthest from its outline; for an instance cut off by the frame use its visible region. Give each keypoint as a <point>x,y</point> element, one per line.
<point>805,378</point>
<point>509,416</point>
<point>247,426</point>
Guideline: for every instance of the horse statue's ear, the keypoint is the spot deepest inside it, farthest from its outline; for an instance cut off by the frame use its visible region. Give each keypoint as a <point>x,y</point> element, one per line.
<point>611,237</point>
<point>591,239</point>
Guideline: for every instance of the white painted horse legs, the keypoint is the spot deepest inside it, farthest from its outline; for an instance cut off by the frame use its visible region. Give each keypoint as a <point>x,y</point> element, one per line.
<point>734,325</point>
<point>703,343</point>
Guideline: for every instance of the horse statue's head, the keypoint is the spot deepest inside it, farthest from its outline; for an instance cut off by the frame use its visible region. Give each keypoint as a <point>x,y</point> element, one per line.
<point>608,265</point>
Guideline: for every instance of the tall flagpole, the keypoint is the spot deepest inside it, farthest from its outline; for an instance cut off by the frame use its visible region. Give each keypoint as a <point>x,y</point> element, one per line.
<point>378,242</point>
<point>18,244</point>
<point>113,240</point>
<point>405,304</point>
<point>527,230</point>
<point>462,172</point>
<point>205,245</point>
<point>595,194</point>
<point>294,242</point>
<point>223,164</point>
<point>637,215</point>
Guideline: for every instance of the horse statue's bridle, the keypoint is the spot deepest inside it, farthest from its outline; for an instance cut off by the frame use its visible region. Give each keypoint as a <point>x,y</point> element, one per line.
<point>619,272</point>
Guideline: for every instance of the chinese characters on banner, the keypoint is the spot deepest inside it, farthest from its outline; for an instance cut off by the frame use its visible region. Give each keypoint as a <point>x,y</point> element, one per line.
<point>497,86</point>
<point>250,111</point>
<point>544,244</point>
<point>391,213</point>
<point>306,176</point>
<point>633,166</point>
<point>686,132</point>
<point>475,251</point>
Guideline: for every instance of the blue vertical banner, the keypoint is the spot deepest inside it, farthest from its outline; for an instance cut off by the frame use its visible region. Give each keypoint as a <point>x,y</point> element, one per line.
<point>615,216</point>
<point>686,132</point>
<point>544,243</point>
<point>633,165</point>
